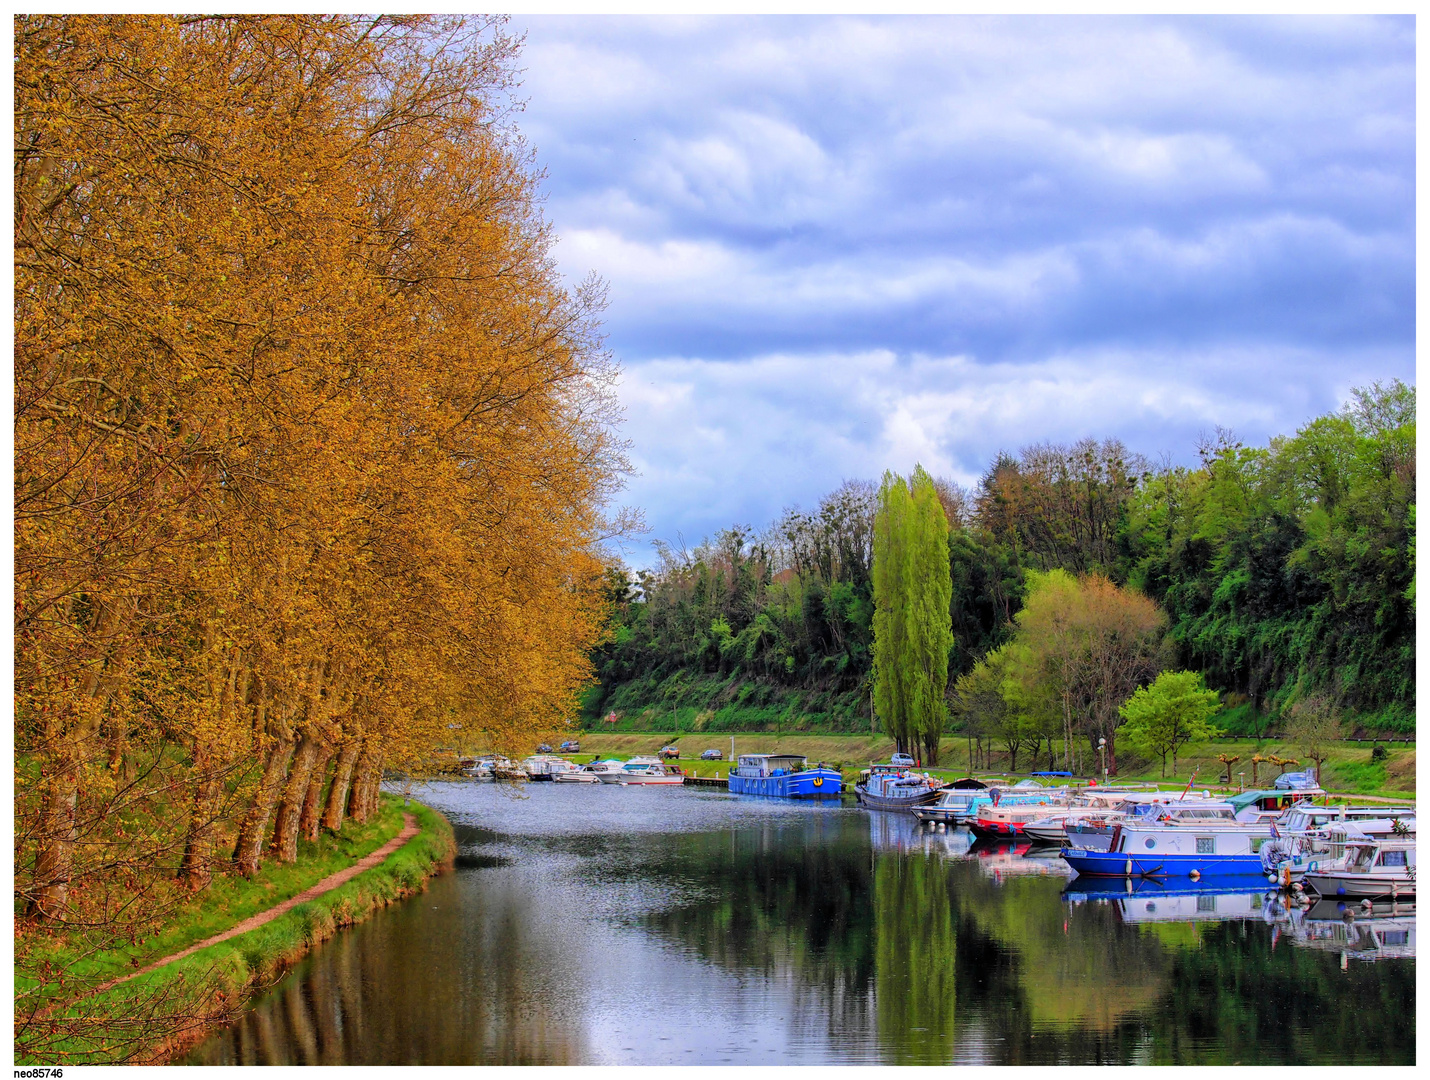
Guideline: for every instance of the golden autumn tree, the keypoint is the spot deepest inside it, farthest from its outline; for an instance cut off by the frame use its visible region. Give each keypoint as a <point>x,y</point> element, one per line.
<point>313,447</point>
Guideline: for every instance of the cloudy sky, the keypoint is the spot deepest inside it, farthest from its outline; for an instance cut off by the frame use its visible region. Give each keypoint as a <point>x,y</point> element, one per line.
<point>836,246</point>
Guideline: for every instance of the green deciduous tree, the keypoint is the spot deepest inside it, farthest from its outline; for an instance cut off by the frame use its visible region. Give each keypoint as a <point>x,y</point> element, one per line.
<point>912,590</point>
<point>1173,711</point>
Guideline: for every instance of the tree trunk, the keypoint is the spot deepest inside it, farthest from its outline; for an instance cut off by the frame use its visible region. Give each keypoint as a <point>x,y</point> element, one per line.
<point>248,852</point>
<point>357,800</point>
<point>284,844</point>
<point>195,869</point>
<point>54,863</point>
<point>342,780</point>
<point>312,805</point>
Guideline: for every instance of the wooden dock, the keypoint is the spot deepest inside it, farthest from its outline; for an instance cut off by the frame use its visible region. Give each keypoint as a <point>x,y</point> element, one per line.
<point>707,781</point>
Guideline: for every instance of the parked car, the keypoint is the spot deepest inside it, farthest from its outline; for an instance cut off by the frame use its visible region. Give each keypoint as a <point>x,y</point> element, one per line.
<point>571,746</point>
<point>669,751</point>
<point>544,748</point>
<point>901,759</point>
<point>710,755</point>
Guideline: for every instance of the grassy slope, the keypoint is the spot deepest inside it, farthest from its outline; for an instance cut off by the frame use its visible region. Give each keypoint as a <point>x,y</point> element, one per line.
<point>700,702</point>
<point>1348,770</point>
<point>190,996</point>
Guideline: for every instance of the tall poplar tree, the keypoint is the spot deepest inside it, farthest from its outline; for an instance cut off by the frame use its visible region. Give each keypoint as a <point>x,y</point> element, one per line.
<point>912,590</point>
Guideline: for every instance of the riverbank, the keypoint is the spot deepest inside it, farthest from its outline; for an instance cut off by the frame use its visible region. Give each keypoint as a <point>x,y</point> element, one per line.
<point>156,1014</point>
<point>1349,770</point>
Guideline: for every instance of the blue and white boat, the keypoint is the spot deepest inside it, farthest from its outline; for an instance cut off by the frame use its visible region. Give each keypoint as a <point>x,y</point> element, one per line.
<point>1201,843</point>
<point>784,776</point>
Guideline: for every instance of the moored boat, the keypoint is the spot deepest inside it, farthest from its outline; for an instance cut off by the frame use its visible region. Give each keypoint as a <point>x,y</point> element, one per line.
<point>1198,842</point>
<point>786,776</point>
<point>894,787</point>
<point>1005,817</point>
<point>643,770</point>
<point>1373,868</point>
<point>1309,838</point>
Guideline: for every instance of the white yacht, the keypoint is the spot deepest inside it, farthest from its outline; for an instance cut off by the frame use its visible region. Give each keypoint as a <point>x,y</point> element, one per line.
<point>1373,868</point>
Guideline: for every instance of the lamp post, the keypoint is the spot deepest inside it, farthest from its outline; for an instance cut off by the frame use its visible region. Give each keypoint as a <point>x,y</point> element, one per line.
<point>1102,757</point>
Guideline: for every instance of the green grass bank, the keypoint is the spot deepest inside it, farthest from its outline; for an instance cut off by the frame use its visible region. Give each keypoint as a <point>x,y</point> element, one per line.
<point>1349,770</point>
<point>157,1016</point>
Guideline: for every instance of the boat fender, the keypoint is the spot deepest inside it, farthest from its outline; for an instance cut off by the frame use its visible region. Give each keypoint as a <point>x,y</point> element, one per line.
<point>1195,875</point>
<point>1129,868</point>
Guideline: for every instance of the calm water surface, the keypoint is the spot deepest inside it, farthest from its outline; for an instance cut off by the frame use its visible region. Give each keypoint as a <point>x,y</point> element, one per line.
<point>590,924</point>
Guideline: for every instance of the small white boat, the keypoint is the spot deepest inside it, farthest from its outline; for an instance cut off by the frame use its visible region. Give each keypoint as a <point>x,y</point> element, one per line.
<point>644,770</point>
<point>1373,868</point>
<point>1310,838</point>
<point>586,774</point>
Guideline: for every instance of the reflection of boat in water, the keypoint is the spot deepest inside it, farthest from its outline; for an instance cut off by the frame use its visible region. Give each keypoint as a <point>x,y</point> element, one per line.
<point>1001,859</point>
<point>900,832</point>
<point>1146,901</point>
<point>894,787</point>
<point>1383,931</point>
<point>785,776</point>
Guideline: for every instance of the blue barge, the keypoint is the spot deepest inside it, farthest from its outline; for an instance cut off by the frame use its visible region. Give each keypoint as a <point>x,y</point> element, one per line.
<point>1205,849</point>
<point>784,776</point>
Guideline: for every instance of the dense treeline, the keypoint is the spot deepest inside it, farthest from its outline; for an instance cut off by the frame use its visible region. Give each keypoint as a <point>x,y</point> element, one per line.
<point>1279,571</point>
<point>311,444</point>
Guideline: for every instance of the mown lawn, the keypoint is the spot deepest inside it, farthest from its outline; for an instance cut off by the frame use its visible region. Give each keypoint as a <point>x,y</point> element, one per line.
<point>1348,770</point>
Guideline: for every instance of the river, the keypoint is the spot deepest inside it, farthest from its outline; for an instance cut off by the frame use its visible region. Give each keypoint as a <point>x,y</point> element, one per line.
<point>595,924</point>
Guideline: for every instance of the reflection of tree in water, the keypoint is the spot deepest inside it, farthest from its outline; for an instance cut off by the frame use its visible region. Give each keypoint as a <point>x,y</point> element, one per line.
<point>1238,998</point>
<point>915,959</point>
<point>782,901</point>
<point>962,967</point>
<point>406,987</point>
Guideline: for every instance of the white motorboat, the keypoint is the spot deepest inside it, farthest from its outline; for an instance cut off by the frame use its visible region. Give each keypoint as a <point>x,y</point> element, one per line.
<point>546,767</point>
<point>1309,838</point>
<point>644,770</point>
<point>586,774</point>
<point>1373,868</point>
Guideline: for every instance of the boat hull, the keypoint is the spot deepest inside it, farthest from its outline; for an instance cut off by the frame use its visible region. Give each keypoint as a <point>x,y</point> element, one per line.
<point>943,815</point>
<point>1360,886</point>
<point>1125,864</point>
<point>810,784</point>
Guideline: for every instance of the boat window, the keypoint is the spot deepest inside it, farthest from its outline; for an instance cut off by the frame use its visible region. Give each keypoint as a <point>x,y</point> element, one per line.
<point>1392,858</point>
<point>1206,903</point>
<point>1206,845</point>
<point>1151,842</point>
<point>1395,937</point>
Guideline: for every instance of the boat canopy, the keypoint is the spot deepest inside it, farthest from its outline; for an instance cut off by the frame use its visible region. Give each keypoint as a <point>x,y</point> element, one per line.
<point>969,783</point>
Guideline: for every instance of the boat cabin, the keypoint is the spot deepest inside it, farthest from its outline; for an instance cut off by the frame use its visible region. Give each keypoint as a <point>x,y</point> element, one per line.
<point>753,765</point>
<point>1254,805</point>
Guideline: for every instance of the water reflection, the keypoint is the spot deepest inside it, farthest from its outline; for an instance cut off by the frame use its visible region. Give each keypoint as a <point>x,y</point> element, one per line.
<point>628,925</point>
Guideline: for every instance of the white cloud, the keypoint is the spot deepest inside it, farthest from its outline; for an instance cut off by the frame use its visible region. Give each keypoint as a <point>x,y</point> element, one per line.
<point>836,245</point>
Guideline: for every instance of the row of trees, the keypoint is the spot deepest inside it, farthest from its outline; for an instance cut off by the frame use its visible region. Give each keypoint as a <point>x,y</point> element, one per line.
<point>311,444</point>
<point>1279,573</point>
